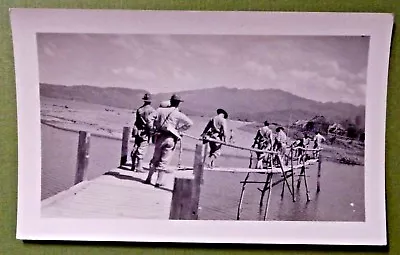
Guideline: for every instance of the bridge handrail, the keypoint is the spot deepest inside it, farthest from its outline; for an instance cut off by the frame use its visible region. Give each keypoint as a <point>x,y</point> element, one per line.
<point>229,144</point>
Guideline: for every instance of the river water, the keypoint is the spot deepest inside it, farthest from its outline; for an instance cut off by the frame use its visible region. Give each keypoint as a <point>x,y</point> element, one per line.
<point>341,197</point>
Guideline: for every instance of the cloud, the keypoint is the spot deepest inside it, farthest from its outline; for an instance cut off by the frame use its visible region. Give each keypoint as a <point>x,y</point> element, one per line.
<point>180,74</point>
<point>135,73</point>
<point>304,75</point>
<point>128,45</point>
<point>260,70</point>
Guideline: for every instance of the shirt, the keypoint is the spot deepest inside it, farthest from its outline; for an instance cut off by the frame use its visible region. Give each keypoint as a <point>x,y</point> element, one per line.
<point>266,133</point>
<point>219,127</point>
<point>143,117</point>
<point>319,139</point>
<point>172,120</point>
<point>281,137</point>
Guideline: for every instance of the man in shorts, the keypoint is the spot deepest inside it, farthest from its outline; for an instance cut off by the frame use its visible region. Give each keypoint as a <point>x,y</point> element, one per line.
<point>169,122</point>
<point>141,132</point>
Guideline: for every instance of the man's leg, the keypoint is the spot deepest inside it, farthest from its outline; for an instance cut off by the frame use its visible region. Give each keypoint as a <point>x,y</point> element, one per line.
<point>155,161</point>
<point>167,151</point>
<point>141,151</point>
<point>216,153</point>
<point>133,155</point>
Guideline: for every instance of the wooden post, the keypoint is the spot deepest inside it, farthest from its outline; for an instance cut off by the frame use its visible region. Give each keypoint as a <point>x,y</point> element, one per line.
<point>186,192</point>
<point>182,199</point>
<point>82,157</point>
<point>198,165</point>
<point>125,145</point>
<point>198,170</point>
<point>319,171</point>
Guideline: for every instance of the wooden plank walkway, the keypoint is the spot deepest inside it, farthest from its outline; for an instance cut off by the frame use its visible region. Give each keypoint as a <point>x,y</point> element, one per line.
<point>118,193</point>
<point>121,193</point>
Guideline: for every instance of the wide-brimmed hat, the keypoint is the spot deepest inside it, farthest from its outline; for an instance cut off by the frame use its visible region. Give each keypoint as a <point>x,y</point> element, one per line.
<point>176,97</point>
<point>222,111</point>
<point>147,97</point>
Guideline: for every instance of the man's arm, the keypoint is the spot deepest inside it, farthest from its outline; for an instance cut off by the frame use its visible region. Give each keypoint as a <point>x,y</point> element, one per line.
<point>225,129</point>
<point>186,122</point>
<point>206,128</point>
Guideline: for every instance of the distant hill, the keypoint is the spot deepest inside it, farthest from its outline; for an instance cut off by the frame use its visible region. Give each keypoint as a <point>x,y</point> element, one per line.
<point>242,104</point>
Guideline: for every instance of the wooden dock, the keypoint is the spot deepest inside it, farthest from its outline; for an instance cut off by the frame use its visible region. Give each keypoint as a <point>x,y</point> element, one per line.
<point>117,194</point>
<point>122,193</point>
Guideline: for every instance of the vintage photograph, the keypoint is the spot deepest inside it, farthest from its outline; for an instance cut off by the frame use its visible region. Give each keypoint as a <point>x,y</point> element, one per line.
<point>280,108</point>
<point>206,127</point>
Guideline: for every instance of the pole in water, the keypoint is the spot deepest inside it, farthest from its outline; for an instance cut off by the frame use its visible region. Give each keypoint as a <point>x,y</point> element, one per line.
<point>319,171</point>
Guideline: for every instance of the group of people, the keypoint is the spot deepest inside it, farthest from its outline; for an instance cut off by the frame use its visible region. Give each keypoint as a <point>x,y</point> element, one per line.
<point>163,127</point>
<point>265,139</point>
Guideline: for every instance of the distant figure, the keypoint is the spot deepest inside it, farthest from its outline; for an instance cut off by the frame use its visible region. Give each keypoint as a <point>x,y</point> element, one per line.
<point>262,141</point>
<point>302,143</point>
<point>318,140</point>
<point>231,137</point>
<point>168,123</point>
<point>264,137</point>
<point>217,129</point>
<point>280,142</point>
<point>141,132</point>
<point>280,139</point>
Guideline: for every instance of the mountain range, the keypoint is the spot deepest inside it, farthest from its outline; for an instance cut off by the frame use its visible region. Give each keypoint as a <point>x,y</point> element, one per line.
<point>241,104</point>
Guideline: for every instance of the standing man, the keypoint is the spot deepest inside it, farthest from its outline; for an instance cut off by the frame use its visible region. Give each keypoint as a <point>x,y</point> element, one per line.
<point>168,123</point>
<point>141,132</point>
<point>280,142</point>
<point>217,129</point>
<point>318,140</point>
<point>262,141</point>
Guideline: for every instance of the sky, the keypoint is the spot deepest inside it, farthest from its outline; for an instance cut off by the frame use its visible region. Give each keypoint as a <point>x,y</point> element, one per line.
<point>321,68</point>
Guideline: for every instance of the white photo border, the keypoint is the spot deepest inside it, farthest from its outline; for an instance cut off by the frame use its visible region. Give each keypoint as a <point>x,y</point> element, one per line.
<point>30,226</point>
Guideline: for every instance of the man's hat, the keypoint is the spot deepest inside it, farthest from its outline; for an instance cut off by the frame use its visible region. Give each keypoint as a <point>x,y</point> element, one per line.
<point>175,97</point>
<point>219,111</point>
<point>147,97</point>
<point>266,123</point>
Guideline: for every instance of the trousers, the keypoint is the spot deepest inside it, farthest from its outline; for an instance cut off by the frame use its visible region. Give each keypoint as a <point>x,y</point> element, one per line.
<point>163,151</point>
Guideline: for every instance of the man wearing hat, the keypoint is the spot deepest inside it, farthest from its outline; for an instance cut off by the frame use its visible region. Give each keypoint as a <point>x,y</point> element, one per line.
<point>141,132</point>
<point>262,141</point>
<point>217,129</point>
<point>169,122</point>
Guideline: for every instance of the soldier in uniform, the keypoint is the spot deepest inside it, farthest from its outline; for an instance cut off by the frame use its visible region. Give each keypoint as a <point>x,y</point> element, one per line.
<point>141,132</point>
<point>168,124</point>
<point>217,129</point>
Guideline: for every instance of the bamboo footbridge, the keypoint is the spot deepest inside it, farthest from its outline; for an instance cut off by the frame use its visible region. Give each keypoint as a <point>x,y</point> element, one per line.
<point>123,193</point>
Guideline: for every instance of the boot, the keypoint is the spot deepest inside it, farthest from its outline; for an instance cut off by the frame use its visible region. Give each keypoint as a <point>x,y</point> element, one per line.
<point>150,175</point>
<point>159,182</point>
<point>133,166</point>
<point>139,167</point>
